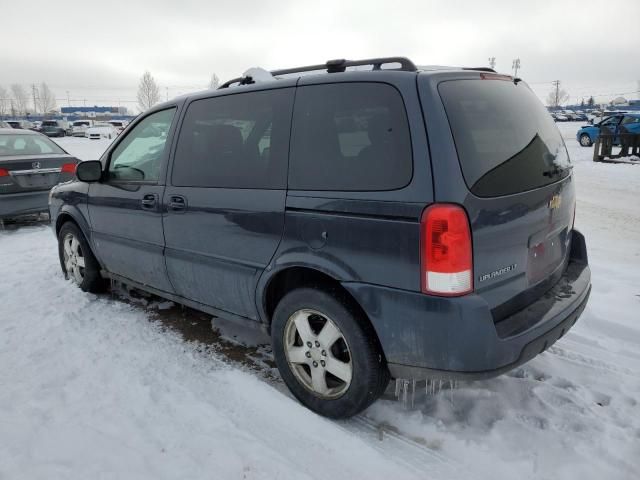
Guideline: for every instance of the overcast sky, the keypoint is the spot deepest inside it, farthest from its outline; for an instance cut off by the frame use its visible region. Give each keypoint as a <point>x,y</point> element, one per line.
<point>98,49</point>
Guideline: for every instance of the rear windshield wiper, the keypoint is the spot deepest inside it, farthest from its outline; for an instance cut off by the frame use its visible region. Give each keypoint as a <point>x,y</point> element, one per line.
<point>556,171</point>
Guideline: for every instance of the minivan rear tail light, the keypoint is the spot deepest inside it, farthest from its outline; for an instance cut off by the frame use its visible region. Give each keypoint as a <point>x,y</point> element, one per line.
<point>4,172</point>
<point>68,168</point>
<point>446,251</point>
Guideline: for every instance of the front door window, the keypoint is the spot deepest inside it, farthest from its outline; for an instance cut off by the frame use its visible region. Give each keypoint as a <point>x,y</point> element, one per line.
<point>139,156</point>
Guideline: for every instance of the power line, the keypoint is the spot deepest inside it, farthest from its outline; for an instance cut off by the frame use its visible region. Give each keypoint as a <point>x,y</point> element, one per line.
<point>33,91</point>
<point>556,96</point>
<point>109,87</point>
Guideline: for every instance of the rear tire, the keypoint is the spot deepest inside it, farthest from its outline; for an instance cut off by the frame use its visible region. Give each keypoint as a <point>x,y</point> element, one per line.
<point>585,140</point>
<point>77,260</point>
<point>335,367</point>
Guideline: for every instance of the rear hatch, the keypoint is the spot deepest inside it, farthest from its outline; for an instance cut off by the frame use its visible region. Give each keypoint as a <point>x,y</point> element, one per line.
<point>31,163</point>
<point>518,187</point>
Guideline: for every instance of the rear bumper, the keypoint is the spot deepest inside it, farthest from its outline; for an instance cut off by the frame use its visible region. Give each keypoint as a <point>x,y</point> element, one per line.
<point>456,338</point>
<point>14,204</point>
<point>55,133</point>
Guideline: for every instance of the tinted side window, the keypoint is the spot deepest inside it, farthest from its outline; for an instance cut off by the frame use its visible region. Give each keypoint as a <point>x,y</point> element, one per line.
<point>235,141</point>
<point>138,156</point>
<point>350,136</point>
<point>611,121</point>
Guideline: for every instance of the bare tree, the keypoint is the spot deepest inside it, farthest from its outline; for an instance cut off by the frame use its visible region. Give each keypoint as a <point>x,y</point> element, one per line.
<point>214,82</point>
<point>148,92</point>
<point>20,98</point>
<point>4,102</point>
<point>557,96</point>
<point>46,99</point>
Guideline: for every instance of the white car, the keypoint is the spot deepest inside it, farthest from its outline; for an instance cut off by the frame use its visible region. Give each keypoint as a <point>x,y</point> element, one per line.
<point>119,124</point>
<point>101,130</point>
<point>79,127</point>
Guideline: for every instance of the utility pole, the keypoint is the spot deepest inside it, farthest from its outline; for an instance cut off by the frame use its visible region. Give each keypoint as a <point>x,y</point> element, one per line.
<point>33,90</point>
<point>556,97</point>
<point>68,101</point>
<point>492,62</point>
<point>515,66</point>
<point>167,91</point>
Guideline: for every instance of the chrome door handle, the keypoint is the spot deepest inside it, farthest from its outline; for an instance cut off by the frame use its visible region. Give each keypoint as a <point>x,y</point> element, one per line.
<point>149,201</point>
<point>177,203</point>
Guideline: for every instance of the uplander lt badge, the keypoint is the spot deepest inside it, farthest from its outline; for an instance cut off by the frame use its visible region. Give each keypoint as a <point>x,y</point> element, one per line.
<point>497,273</point>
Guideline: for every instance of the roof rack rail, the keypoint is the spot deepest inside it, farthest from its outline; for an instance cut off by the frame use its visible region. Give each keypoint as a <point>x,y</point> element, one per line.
<point>480,69</point>
<point>334,66</point>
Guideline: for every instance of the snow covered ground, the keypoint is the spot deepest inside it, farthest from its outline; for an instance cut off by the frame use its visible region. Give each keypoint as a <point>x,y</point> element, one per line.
<point>98,387</point>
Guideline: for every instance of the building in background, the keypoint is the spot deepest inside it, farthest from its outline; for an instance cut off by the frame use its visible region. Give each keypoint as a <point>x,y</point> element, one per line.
<point>95,112</point>
<point>79,113</point>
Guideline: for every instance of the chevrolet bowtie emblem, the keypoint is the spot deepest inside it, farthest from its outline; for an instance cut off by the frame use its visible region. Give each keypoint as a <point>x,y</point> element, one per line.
<point>555,202</point>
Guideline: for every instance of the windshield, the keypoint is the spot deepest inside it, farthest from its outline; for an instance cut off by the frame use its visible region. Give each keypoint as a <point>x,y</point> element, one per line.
<point>80,124</point>
<point>506,140</point>
<point>27,145</point>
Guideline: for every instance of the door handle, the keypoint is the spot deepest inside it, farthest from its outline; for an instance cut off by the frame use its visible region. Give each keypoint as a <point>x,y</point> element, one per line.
<point>149,201</point>
<point>177,203</point>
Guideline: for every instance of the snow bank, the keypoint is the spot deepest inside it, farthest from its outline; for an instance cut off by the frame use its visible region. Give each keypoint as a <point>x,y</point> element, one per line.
<point>90,388</point>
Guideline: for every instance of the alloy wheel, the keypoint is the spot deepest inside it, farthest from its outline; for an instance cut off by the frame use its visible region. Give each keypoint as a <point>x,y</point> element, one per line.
<point>318,354</point>
<point>74,261</point>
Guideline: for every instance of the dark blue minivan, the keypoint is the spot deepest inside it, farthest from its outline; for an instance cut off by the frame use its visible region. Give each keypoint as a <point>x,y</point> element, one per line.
<point>379,220</point>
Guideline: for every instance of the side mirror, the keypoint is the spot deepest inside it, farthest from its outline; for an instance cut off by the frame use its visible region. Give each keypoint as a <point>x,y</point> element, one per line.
<point>89,171</point>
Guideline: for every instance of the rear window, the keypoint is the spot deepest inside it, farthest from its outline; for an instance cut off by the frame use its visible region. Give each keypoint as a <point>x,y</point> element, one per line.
<point>27,145</point>
<point>350,136</point>
<point>506,140</point>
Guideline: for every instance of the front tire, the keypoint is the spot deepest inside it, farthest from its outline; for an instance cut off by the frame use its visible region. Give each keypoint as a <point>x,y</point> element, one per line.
<point>327,353</point>
<point>77,260</point>
<point>585,140</point>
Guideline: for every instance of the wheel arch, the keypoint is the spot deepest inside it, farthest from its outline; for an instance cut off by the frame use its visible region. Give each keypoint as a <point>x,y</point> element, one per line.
<point>296,276</point>
<point>68,215</point>
<point>587,133</point>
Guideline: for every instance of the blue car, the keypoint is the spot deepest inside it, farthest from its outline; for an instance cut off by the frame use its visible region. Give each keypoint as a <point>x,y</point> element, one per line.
<point>588,134</point>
